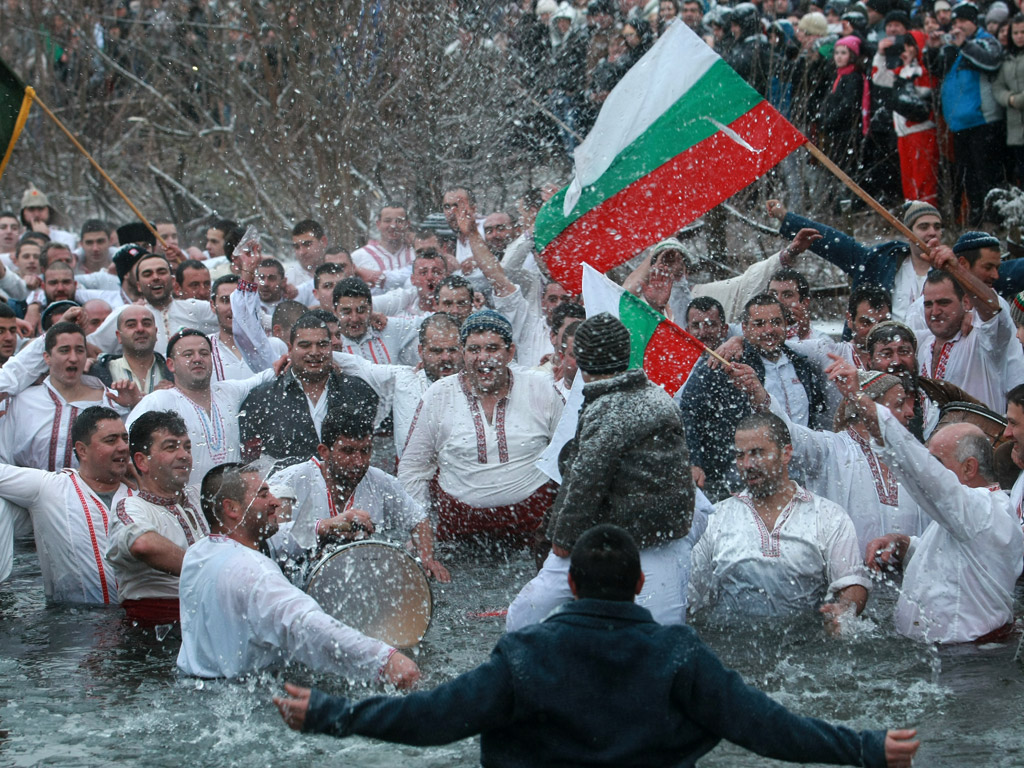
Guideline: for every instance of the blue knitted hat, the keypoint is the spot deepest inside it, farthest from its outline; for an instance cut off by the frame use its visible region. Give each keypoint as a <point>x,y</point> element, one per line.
<point>972,241</point>
<point>486,320</point>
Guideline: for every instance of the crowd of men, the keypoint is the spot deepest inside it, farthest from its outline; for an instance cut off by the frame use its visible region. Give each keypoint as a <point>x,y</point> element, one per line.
<point>788,466</point>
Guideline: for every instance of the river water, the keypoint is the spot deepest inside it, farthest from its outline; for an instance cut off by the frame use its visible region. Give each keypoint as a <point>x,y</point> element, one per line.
<point>77,688</point>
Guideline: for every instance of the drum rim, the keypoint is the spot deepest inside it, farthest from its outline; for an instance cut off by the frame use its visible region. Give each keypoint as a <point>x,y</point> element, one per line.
<point>322,560</point>
<point>976,408</point>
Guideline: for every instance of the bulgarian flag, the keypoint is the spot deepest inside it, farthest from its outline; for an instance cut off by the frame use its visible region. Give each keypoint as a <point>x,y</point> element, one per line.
<point>665,351</point>
<point>15,100</point>
<point>679,134</point>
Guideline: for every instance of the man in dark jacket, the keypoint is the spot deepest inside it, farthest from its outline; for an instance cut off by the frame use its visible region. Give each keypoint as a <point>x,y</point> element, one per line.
<point>282,418</point>
<point>627,465</point>
<point>635,692</point>
<point>712,408</point>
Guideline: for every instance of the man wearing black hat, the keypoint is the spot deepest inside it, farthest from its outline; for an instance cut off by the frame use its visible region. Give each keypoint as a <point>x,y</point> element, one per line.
<point>481,432</point>
<point>622,469</point>
<point>967,66</point>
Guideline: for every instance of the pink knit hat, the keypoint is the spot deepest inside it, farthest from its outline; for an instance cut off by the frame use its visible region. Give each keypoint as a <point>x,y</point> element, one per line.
<point>852,42</point>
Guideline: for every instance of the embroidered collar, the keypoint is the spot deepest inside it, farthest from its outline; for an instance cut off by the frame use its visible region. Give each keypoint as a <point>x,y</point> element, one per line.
<point>163,501</point>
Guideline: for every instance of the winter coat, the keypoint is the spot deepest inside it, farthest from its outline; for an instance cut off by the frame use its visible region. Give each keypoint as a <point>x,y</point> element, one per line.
<point>967,74</point>
<point>751,58</point>
<point>712,407</point>
<point>627,465</point>
<point>1010,82</point>
<point>597,683</point>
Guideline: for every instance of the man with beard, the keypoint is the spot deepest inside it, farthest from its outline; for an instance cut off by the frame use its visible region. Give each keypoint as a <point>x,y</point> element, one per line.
<point>494,492</point>
<point>340,496</point>
<point>151,530</point>
<point>239,614</point>
<point>401,387</point>
<point>139,364</point>
<point>70,509</point>
<point>155,284</point>
<point>712,407</point>
<point>775,549</point>
<point>210,410</point>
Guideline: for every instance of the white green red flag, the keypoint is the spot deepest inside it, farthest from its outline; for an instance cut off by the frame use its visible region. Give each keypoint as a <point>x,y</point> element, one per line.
<point>665,351</point>
<point>679,134</point>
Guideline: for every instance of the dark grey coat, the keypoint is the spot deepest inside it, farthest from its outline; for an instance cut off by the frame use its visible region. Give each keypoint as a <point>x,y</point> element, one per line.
<point>627,465</point>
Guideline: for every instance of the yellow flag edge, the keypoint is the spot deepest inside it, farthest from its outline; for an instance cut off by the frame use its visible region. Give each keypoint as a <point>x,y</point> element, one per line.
<point>26,104</point>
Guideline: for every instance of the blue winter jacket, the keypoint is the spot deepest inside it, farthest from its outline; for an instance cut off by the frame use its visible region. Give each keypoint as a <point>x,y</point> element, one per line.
<point>598,683</point>
<point>967,98</point>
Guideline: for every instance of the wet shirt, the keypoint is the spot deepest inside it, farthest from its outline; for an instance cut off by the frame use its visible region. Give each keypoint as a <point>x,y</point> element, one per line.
<point>71,523</point>
<point>227,366</point>
<point>740,568</point>
<point>240,614</point>
<point>529,328</point>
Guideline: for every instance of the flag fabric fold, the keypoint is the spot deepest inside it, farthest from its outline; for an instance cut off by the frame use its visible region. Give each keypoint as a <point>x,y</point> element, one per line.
<point>680,133</point>
<point>15,101</point>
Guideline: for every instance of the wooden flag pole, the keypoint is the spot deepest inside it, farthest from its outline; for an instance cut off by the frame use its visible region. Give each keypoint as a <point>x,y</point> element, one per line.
<point>968,281</point>
<point>96,165</point>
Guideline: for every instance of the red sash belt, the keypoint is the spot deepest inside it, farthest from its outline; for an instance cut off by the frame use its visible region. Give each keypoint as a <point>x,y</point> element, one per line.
<point>152,611</point>
<point>456,519</point>
<point>997,635</point>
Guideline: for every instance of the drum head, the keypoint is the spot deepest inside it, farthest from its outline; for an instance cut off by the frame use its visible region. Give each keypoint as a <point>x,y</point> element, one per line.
<point>376,588</point>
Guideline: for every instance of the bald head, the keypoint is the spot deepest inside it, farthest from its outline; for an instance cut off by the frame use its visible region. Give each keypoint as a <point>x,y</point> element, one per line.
<point>965,450</point>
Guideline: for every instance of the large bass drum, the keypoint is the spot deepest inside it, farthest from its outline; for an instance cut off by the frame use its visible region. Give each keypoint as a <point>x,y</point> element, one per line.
<point>375,587</point>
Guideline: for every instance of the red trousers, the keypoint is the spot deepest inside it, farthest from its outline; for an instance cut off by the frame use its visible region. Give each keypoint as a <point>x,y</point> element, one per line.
<point>919,165</point>
<point>514,522</point>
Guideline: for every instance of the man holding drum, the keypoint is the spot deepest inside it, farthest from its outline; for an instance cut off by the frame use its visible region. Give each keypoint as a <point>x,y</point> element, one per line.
<point>240,614</point>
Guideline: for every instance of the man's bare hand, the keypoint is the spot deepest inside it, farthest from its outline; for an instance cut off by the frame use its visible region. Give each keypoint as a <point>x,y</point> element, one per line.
<point>78,316</point>
<point>293,709</point>
<point>844,374</point>
<point>126,393</point>
<point>745,379</point>
<point>290,291</point>
<point>174,254</point>
<point>378,321</point>
<point>350,525</point>
<point>900,749</point>
<point>886,553</point>
<point>24,328</point>
<point>246,259</point>
<point>804,239</point>
<point>730,349</point>
<point>282,364</point>
<point>436,571</point>
<point>400,671</point>
<point>698,476</point>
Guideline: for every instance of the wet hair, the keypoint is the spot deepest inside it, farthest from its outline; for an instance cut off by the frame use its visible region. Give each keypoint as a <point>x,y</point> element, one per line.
<point>352,422</point>
<point>463,188</point>
<point>392,204</point>
<point>184,333</point>
<point>287,313</point>
<point>875,295</point>
<point>886,331</point>
<point>564,310</point>
<point>774,428</point>
<point>1016,396</point>
<point>790,275</point>
<point>34,237</point>
<point>438,320</point>
<point>455,283</point>
<point>706,304</point>
<point>971,256</point>
<point>431,254</point>
<point>50,247</point>
<point>352,287</point>
<point>975,445</point>
<point>60,328</point>
<point>323,315</point>
<point>8,215</point>
<point>179,272</point>
<point>147,257</point>
<point>605,564</point>
<point>308,320</point>
<point>140,436</point>
<point>92,225</point>
<point>222,482</point>
<point>761,300</point>
<point>231,279</point>
<point>85,426</point>
<point>936,276</point>
<point>6,313</point>
<point>232,232</point>
<point>308,227</point>
<point>327,268</point>
<point>272,264</point>
<point>570,332</point>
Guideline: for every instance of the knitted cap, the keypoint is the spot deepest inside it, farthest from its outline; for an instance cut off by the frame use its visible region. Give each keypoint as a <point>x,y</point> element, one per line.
<point>967,11</point>
<point>813,23</point>
<point>998,12</point>
<point>673,244</point>
<point>33,198</point>
<point>602,345</point>
<point>900,16</point>
<point>1017,309</point>
<point>875,383</point>
<point>852,42</point>
<point>486,320</point>
<point>941,5</point>
<point>972,241</point>
<point>916,209</point>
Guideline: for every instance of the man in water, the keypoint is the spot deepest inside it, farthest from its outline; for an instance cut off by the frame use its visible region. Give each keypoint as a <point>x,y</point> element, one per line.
<point>669,705</point>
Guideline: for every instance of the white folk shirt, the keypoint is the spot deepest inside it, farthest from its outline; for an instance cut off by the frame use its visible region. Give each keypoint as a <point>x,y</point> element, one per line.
<point>381,495</point>
<point>227,366</point>
<point>397,343</point>
<point>375,256</point>
<point>180,313</point>
<point>530,330</point>
<point>1017,497</point>
<point>399,387</point>
<point>976,363</point>
<point>959,575</point>
<point>180,521</point>
<point>782,383</point>
<point>482,463</point>
<point>240,614</point>
<point>71,525</point>
<point>401,301</point>
<point>36,431</point>
<point>844,467</point>
<point>906,290</point>
<point>740,568</point>
<point>214,435</point>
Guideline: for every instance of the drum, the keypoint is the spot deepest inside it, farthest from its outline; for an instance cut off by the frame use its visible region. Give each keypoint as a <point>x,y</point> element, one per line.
<point>375,587</point>
<point>990,422</point>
